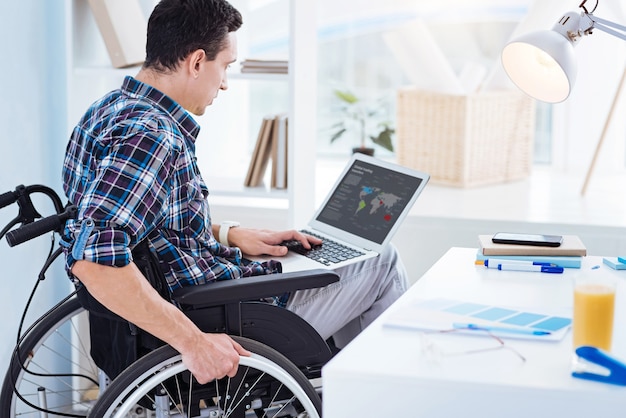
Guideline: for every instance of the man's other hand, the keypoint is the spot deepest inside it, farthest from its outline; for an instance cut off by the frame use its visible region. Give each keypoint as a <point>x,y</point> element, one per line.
<point>213,356</point>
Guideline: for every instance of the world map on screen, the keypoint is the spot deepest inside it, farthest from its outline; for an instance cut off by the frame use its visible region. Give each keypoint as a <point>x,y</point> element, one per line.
<point>377,199</point>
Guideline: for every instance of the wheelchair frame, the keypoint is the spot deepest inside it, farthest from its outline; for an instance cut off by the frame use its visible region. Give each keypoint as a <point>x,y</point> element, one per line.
<point>287,351</point>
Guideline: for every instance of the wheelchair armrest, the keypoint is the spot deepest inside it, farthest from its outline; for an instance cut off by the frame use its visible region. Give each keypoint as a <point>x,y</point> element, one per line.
<point>251,288</point>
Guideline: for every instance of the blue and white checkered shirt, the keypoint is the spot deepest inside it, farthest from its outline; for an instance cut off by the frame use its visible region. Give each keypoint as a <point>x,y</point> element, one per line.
<point>130,167</point>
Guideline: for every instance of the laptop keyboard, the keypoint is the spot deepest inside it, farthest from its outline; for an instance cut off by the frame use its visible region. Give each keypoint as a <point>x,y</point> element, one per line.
<point>330,252</point>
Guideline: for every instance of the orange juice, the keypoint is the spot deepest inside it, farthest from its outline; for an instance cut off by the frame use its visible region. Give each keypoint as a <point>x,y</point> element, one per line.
<point>593,315</point>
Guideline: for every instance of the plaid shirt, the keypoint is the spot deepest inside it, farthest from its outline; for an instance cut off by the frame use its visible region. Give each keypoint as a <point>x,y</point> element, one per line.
<point>130,167</point>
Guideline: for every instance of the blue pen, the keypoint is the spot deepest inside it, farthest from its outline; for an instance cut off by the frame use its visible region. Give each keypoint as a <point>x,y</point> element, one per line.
<point>493,263</point>
<point>476,327</point>
<point>522,267</point>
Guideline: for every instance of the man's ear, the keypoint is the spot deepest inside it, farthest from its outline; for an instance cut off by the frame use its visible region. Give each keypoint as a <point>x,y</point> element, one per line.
<point>194,61</point>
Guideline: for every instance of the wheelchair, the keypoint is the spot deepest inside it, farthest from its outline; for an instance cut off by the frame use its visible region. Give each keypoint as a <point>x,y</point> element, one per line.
<point>80,360</point>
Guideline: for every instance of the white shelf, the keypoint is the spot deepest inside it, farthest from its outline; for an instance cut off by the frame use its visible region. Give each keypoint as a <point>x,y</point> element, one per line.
<point>233,187</point>
<point>258,76</point>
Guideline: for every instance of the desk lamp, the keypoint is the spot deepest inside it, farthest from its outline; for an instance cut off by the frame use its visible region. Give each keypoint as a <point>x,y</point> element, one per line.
<point>542,64</point>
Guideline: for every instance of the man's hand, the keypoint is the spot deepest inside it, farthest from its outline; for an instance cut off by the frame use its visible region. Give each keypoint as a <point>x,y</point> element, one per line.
<point>213,356</point>
<point>266,242</point>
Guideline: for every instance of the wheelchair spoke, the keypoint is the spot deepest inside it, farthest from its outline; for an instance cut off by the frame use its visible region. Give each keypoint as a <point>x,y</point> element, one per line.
<point>283,406</point>
<point>218,397</point>
<point>231,397</point>
<point>190,392</point>
<point>246,392</point>
<point>179,392</point>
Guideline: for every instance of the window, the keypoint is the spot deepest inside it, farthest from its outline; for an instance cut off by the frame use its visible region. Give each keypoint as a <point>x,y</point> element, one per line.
<point>361,51</point>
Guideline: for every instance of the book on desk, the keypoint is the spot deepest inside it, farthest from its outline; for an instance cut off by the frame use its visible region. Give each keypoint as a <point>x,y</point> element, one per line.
<point>569,254</point>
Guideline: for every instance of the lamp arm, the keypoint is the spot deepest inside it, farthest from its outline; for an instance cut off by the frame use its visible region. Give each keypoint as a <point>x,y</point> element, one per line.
<point>606,26</point>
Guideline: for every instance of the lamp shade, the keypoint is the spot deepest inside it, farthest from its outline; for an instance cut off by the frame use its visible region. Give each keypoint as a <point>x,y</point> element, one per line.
<point>542,64</point>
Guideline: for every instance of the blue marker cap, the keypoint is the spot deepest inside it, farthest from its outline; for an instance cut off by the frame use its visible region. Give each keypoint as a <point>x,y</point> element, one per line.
<point>551,269</point>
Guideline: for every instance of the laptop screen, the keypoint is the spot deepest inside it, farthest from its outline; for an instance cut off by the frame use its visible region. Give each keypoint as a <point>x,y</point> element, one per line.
<point>369,200</point>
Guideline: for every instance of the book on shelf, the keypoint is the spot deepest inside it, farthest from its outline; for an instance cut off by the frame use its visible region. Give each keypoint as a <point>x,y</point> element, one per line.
<point>123,27</point>
<point>565,261</point>
<point>279,152</point>
<point>270,146</point>
<point>571,246</point>
<point>269,66</point>
<point>260,154</point>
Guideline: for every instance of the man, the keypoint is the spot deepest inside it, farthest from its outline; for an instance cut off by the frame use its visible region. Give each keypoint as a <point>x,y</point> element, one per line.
<point>130,168</point>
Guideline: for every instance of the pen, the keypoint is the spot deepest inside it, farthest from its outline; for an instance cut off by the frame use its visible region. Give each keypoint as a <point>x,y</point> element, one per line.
<point>476,327</point>
<point>522,267</point>
<point>493,263</point>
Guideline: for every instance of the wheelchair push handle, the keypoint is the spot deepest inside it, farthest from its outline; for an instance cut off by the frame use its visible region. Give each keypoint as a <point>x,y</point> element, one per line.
<point>8,198</point>
<point>22,194</point>
<point>40,227</point>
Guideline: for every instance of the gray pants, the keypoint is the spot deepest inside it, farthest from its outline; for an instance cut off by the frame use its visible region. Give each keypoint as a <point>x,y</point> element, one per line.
<point>364,291</point>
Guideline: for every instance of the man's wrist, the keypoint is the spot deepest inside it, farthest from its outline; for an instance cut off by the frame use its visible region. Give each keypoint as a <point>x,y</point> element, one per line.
<point>224,228</point>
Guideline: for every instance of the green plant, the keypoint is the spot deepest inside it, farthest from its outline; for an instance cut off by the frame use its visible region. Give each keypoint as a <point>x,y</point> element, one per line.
<point>361,116</point>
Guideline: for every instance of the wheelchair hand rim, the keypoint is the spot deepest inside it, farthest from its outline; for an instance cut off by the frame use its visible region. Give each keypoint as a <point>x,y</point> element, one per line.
<point>174,365</point>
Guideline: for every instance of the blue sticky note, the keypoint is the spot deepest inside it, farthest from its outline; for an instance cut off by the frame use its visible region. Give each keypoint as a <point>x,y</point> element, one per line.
<point>554,323</point>
<point>523,318</point>
<point>465,308</point>
<point>493,314</point>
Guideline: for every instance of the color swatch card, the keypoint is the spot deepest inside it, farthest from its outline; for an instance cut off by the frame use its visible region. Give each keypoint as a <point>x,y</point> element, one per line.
<point>445,314</point>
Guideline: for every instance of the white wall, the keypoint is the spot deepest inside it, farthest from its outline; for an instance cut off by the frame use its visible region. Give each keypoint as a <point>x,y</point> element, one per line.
<point>33,137</point>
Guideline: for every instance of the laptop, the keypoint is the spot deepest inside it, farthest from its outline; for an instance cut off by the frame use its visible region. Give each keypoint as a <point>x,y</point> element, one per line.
<point>360,214</point>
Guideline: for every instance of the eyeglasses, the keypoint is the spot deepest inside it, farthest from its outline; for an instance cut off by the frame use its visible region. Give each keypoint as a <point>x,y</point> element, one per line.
<point>434,352</point>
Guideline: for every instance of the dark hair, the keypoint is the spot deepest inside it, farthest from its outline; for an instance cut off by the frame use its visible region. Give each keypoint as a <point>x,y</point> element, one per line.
<point>176,28</point>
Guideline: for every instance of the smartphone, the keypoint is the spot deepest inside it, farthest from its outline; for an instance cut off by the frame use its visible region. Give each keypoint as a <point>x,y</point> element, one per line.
<point>527,239</point>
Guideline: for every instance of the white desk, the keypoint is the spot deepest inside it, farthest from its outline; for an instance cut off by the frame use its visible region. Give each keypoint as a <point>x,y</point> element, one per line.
<point>384,372</point>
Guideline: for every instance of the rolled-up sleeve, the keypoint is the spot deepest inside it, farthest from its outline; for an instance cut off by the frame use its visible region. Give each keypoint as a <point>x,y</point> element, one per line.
<point>124,199</point>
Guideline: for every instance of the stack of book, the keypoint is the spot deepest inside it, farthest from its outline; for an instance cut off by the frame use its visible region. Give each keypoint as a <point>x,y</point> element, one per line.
<point>568,255</point>
<point>264,66</point>
<point>271,145</point>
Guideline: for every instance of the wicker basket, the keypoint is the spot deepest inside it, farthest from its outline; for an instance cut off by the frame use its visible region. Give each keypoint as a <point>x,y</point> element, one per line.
<point>468,140</point>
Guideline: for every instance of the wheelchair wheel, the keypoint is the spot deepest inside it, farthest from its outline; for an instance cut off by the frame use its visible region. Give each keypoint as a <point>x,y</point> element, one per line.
<point>267,385</point>
<point>58,374</point>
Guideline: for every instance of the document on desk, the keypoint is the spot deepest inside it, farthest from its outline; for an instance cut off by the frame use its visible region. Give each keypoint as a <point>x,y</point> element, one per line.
<point>508,322</point>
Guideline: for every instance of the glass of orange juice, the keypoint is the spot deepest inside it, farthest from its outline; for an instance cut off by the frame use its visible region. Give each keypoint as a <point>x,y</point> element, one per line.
<point>594,304</point>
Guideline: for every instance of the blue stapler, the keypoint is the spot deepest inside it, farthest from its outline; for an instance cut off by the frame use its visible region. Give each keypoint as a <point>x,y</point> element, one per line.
<point>614,370</point>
